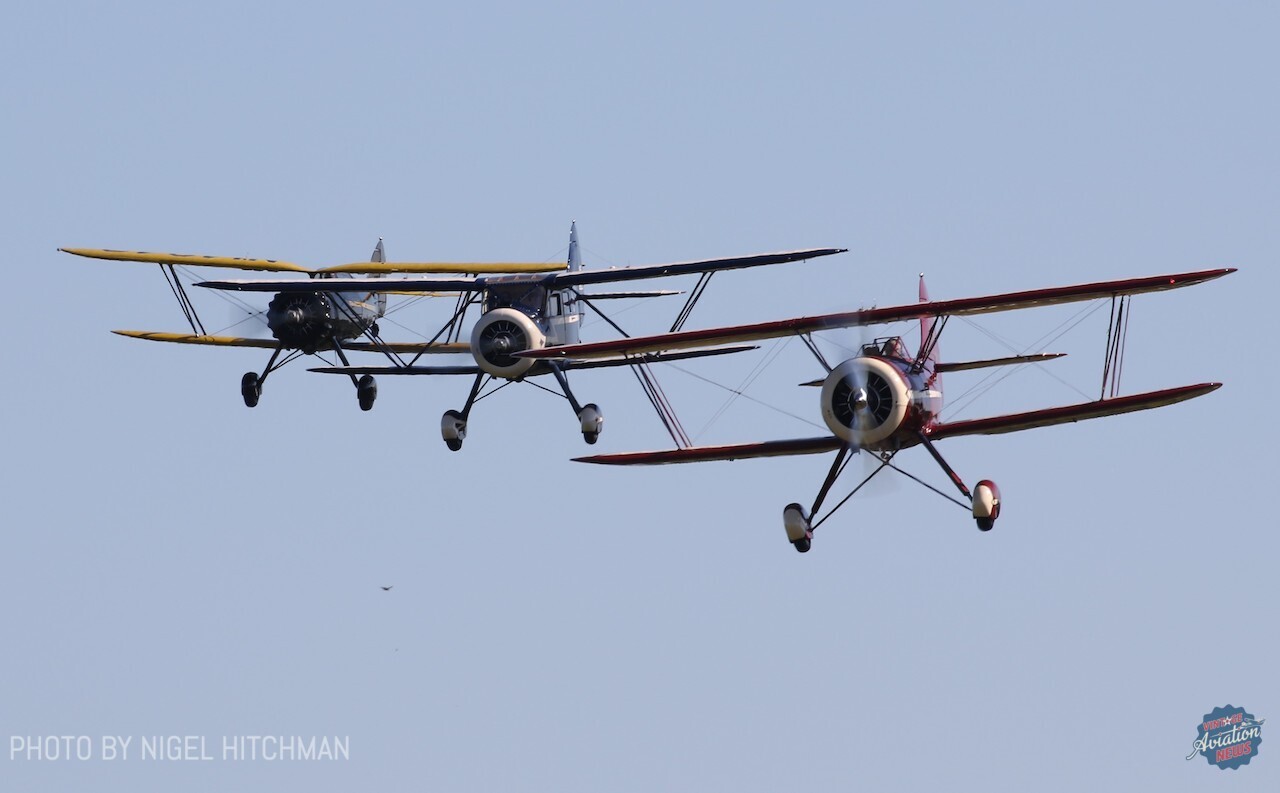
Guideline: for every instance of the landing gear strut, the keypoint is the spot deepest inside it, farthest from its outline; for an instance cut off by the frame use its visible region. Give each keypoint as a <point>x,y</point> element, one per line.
<point>984,500</point>
<point>251,382</point>
<point>800,524</point>
<point>366,386</point>
<point>590,419</point>
<point>453,424</point>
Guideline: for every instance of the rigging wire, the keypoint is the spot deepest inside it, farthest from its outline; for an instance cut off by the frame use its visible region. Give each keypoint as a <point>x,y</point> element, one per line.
<point>772,355</point>
<point>666,414</point>
<point>983,386</point>
<point>748,397</point>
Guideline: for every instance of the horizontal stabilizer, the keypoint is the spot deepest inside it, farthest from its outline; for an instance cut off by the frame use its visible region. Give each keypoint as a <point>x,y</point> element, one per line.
<point>1010,361</point>
<point>270,344</point>
<point>703,454</point>
<point>1048,417</point>
<point>625,295</point>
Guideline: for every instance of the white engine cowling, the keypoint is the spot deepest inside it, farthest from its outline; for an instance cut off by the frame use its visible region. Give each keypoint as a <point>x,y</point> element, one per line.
<point>864,401</point>
<point>501,333</point>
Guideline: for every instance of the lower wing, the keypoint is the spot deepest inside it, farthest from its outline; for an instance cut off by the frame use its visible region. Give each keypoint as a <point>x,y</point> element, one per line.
<point>1048,417</point>
<point>271,344</point>
<point>1013,422</point>
<point>540,369</point>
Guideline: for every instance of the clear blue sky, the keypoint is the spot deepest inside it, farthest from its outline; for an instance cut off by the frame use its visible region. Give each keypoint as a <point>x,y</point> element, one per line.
<point>176,564</point>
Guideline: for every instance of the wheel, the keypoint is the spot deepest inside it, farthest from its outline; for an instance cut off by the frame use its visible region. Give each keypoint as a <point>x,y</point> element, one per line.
<point>591,421</point>
<point>986,504</point>
<point>795,519</point>
<point>367,392</point>
<point>250,389</point>
<point>374,329</point>
<point>453,428</point>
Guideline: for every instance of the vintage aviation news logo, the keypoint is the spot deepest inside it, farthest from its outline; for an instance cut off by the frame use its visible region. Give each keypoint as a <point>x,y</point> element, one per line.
<point>1228,737</point>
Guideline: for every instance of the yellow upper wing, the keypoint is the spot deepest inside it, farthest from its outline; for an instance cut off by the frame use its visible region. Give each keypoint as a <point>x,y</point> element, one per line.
<point>234,262</point>
<point>275,266</point>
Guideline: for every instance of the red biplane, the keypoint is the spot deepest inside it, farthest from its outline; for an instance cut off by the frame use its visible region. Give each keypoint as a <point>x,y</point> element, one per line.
<point>886,399</point>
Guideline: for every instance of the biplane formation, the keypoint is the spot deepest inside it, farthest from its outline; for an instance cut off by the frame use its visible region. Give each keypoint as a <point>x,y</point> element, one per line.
<point>883,400</point>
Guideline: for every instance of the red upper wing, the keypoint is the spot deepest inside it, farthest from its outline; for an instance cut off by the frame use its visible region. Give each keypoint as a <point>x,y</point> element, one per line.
<point>712,337</point>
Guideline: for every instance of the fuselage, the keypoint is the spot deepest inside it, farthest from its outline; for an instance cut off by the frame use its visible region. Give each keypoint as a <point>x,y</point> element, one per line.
<point>553,311</point>
<point>521,313</point>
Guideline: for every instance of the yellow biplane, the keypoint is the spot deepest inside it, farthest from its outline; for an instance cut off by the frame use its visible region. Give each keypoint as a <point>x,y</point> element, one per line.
<point>328,315</point>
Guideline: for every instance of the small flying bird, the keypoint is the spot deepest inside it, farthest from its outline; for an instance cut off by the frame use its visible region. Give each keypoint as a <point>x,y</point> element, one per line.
<point>387,588</point>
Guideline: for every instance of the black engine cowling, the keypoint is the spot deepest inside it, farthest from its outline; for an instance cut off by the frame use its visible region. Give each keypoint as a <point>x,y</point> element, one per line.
<point>301,320</point>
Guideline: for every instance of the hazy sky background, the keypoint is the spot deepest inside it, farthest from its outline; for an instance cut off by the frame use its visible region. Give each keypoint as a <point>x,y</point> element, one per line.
<point>178,565</point>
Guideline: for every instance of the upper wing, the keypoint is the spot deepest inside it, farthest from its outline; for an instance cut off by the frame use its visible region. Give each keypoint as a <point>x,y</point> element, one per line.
<point>878,316</point>
<point>274,266</point>
<point>271,344</point>
<point>234,262</point>
<point>388,285</point>
<point>577,278</point>
<point>1048,417</point>
<point>703,454</point>
<point>584,277</point>
<point>464,268</point>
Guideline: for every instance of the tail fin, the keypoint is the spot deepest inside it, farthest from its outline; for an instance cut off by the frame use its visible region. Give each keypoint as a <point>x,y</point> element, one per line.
<point>575,257</point>
<point>380,301</point>
<point>926,330</point>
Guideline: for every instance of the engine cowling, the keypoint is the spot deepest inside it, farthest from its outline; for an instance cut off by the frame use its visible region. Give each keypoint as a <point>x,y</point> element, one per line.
<point>301,320</point>
<point>499,335</point>
<point>865,400</point>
